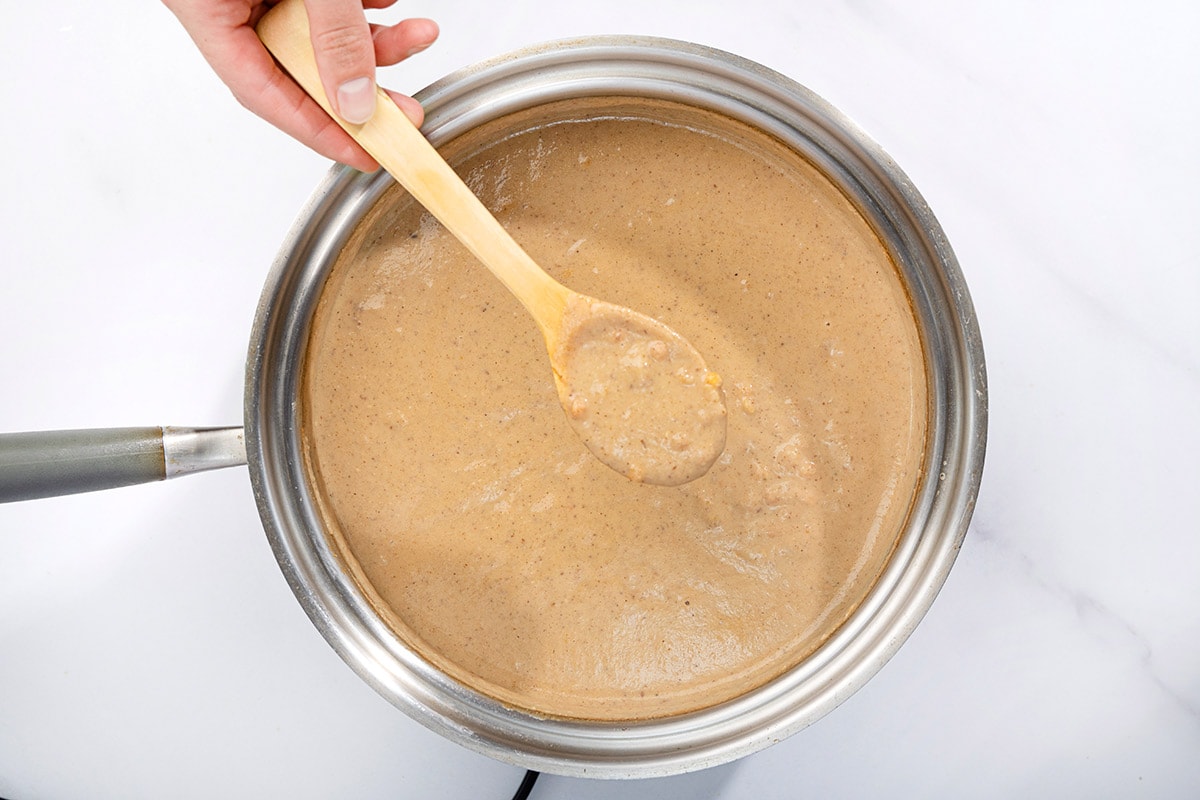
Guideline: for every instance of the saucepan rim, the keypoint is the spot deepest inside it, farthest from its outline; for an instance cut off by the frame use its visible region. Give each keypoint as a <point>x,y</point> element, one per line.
<point>717,81</point>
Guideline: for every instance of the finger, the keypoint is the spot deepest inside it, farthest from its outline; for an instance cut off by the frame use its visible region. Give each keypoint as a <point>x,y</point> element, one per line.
<point>262,87</point>
<point>345,55</point>
<point>411,108</point>
<point>288,107</point>
<point>397,42</point>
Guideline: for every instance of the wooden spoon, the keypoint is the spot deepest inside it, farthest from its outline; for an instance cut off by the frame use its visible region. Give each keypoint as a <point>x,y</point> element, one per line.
<point>637,393</point>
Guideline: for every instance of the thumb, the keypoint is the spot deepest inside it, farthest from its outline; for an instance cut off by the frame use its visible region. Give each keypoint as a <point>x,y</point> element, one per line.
<point>345,56</point>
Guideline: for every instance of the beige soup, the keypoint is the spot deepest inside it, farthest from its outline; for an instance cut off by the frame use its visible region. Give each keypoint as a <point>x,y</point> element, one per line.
<point>483,530</point>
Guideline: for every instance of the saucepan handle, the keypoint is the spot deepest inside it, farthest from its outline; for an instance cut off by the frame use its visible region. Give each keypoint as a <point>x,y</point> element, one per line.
<point>50,463</point>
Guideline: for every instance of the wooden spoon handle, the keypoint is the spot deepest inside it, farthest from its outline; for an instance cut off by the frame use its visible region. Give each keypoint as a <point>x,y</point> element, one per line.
<point>392,140</point>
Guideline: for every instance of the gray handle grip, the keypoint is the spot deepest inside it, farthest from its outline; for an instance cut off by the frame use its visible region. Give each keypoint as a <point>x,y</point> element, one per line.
<point>49,463</point>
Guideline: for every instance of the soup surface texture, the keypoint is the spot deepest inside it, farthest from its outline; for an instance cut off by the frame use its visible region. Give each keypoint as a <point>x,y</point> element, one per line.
<point>492,541</point>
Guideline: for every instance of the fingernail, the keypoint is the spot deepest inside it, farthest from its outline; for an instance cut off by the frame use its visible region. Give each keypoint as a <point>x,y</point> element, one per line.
<point>417,49</point>
<point>356,100</point>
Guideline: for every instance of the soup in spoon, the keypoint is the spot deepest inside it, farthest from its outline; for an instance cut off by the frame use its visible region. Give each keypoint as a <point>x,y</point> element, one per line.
<point>639,396</point>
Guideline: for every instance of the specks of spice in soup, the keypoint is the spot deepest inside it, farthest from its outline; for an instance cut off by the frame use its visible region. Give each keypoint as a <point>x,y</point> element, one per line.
<point>485,534</point>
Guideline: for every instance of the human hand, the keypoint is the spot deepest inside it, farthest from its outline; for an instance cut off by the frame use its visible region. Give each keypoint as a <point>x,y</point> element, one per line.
<point>347,50</point>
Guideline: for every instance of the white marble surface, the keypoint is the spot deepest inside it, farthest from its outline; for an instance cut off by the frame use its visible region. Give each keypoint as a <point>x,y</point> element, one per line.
<point>149,646</point>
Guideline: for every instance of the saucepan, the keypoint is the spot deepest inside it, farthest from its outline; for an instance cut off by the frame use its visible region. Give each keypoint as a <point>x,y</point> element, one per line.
<point>40,464</point>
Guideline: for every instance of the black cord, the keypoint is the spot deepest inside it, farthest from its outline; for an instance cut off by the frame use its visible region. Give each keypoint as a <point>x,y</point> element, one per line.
<point>526,786</point>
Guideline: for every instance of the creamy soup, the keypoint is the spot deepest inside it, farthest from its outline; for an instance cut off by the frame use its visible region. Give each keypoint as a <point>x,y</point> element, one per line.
<point>485,533</point>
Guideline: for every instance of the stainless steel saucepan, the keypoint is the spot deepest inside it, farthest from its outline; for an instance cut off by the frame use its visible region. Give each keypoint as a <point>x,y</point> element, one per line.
<point>35,465</point>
